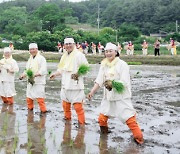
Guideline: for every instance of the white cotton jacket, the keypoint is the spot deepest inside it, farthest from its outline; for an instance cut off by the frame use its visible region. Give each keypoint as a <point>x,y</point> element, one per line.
<point>40,65</point>
<point>121,74</point>
<point>4,66</point>
<point>71,84</point>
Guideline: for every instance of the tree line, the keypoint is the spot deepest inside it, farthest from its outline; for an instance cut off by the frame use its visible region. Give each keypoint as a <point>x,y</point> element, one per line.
<point>45,22</point>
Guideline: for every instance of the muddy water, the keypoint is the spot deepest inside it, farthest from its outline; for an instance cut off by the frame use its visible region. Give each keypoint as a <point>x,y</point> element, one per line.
<point>156,97</point>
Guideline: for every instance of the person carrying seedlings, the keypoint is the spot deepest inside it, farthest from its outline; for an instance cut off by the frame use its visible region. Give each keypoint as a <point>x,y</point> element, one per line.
<point>36,71</point>
<point>8,68</point>
<point>72,66</point>
<point>115,78</point>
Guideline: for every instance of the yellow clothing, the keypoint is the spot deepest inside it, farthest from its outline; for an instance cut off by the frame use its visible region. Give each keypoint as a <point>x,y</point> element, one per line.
<point>115,104</point>
<point>111,65</point>
<point>39,66</point>
<point>67,61</point>
<point>33,63</point>
<point>6,60</point>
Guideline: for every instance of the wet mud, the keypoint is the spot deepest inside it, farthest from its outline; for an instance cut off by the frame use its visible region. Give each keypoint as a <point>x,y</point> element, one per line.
<point>155,96</point>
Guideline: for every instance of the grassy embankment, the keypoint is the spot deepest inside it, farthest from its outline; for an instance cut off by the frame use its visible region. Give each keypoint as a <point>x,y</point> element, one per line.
<point>137,59</point>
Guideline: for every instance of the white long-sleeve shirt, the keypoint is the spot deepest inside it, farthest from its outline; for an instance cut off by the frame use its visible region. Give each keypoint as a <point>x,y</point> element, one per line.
<point>4,74</point>
<point>113,103</point>
<point>40,61</point>
<point>67,82</point>
<point>121,74</point>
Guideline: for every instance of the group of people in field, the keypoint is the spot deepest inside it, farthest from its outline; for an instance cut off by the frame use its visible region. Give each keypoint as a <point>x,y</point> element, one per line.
<point>128,47</point>
<point>112,70</point>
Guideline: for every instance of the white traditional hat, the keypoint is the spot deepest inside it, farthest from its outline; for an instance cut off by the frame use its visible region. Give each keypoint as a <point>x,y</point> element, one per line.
<point>7,49</point>
<point>33,45</point>
<point>68,40</point>
<point>110,46</point>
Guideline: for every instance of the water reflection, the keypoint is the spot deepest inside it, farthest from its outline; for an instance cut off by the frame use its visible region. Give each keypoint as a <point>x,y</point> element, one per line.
<point>8,137</point>
<point>130,148</point>
<point>36,134</point>
<point>103,144</point>
<point>70,146</point>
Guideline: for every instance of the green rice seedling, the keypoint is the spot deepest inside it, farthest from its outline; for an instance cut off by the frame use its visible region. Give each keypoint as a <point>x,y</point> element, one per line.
<point>29,152</point>
<point>71,143</point>
<point>42,140</point>
<point>30,76</point>
<point>15,143</point>
<point>45,151</point>
<point>29,73</point>
<point>118,86</point>
<point>49,72</point>
<point>83,69</point>
<point>29,145</point>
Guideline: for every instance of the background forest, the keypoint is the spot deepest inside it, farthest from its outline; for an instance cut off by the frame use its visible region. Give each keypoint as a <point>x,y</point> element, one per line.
<point>47,22</point>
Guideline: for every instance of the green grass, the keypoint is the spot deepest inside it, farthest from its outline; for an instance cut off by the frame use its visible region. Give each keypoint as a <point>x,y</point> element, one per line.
<point>134,63</point>
<point>84,27</point>
<point>164,59</point>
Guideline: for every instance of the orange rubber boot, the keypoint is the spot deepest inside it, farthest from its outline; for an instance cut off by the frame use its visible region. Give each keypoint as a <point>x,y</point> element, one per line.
<point>30,103</point>
<point>10,100</point>
<point>67,110</point>
<point>103,124</point>
<point>4,99</point>
<point>80,112</point>
<point>134,127</point>
<point>103,120</point>
<point>42,105</point>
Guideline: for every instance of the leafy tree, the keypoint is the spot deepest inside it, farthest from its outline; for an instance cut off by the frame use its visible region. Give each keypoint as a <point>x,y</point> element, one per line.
<point>44,39</point>
<point>128,32</point>
<point>12,19</point>
<point>50,16</point>
<point>175,36</point>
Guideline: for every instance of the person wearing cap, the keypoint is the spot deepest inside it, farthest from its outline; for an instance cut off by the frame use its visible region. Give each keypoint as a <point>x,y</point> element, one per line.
<point>72,90</point>
<point>144,47</point>
<point>130,48</point>
<point>11,46</point>
<point>93,47</point>
<point>8,68</point>
<point>173,47</point>
<point>115,104</point>
<point>37,64</point>
<point>119,48</point>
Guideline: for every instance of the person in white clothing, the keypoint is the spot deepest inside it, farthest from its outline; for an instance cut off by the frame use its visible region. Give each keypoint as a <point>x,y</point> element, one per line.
<point>36,89</point>
<point>144,47</point>
<point>115,104</point>
<point>72,90</point>
<point>8,68</point>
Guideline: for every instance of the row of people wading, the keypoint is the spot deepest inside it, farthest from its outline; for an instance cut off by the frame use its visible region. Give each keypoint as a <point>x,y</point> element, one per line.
<point>112,69</point>
<point>128,47</point>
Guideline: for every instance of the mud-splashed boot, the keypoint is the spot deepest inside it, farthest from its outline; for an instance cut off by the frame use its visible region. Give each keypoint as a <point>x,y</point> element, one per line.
<point>134,127</point>
<point>104,129</point>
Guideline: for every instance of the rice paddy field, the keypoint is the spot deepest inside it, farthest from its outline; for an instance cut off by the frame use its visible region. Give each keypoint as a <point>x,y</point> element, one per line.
<point>155,96</point>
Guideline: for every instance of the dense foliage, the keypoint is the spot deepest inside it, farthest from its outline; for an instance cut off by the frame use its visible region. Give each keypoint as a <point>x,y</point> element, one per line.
<point>45,22</point>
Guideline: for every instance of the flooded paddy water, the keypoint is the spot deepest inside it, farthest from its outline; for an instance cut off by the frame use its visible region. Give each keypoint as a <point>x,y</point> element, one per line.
<point>156,97</point>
